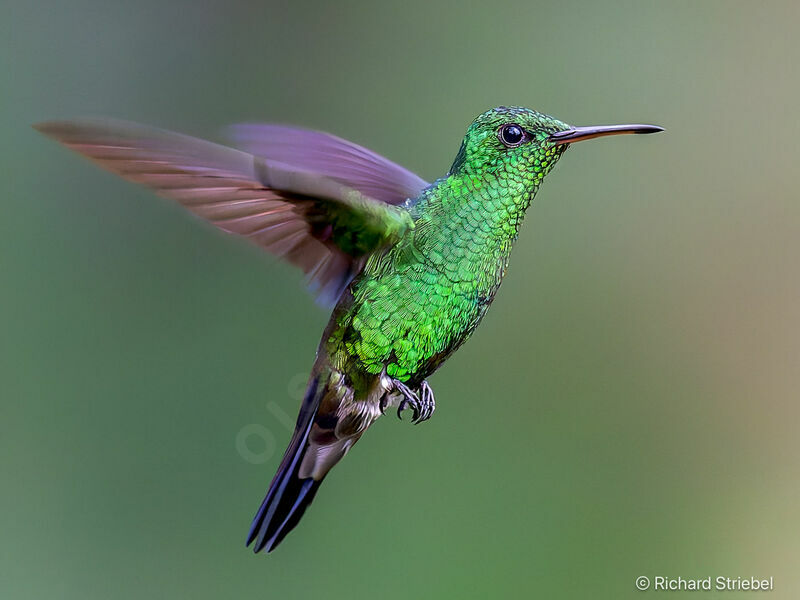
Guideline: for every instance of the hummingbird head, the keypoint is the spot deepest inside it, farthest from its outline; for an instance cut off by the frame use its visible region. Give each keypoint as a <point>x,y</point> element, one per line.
<point>522,145</point>
<point>509,139</point>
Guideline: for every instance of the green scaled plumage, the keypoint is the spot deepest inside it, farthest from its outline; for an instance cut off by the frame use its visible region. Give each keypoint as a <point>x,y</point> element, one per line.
<point>417,302</point>
<point>412,268</point>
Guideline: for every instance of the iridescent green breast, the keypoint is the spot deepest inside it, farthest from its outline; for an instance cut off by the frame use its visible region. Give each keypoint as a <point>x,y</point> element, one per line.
<point>407,320</point>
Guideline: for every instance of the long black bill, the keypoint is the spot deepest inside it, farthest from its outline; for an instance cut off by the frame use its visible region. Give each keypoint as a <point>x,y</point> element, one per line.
<point>578,134</point>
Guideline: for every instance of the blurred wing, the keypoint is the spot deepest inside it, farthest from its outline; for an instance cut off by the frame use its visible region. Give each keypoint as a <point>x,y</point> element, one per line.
<point>331,156</point>
<point>317,223</point>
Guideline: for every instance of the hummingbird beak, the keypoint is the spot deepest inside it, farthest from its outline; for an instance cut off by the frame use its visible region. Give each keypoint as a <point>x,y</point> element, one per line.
<point>578,134</point>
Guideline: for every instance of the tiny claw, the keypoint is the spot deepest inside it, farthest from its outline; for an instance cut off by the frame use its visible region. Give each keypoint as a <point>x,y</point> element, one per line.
<point>404,405</point>
<point>401,407</point>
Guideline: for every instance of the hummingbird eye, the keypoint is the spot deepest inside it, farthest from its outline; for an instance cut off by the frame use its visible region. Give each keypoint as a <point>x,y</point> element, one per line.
<point>511,135</point>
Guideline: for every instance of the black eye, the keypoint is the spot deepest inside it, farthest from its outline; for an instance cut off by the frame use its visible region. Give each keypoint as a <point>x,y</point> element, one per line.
<point>511,135</point>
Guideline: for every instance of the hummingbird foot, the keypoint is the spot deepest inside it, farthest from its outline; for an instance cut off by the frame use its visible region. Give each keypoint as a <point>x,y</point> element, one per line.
<point>421,403</point>
<point>427,400</point>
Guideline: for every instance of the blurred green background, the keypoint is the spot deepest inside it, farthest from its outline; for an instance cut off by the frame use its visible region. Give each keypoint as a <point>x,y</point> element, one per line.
<point>629,406</point>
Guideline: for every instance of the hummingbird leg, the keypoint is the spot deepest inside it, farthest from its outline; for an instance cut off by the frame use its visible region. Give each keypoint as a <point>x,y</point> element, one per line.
<point>421,403</point>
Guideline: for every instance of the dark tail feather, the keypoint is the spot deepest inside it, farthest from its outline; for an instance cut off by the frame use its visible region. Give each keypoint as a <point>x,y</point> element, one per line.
<point>288,495</point>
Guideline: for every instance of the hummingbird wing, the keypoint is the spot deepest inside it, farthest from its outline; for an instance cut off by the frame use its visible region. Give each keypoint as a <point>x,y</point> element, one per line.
<point>315,222</point>
<point>348,163</point>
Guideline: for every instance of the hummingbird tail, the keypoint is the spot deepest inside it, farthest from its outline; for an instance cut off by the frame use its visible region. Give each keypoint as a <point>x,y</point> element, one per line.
<point>321,438</point>
<point>288,494</point>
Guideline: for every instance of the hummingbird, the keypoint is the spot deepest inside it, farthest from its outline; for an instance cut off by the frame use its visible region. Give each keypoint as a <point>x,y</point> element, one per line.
<point>408,267</point>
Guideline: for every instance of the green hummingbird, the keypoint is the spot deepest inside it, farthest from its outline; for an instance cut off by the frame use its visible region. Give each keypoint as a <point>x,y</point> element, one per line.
<point>409,267</point>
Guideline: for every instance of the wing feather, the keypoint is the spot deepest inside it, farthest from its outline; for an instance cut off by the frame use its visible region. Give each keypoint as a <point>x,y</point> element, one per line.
<point>315,221</point>
<point>335,158</point>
